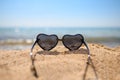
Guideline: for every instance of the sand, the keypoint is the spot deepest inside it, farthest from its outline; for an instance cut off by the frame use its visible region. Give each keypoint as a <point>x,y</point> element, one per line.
<point>61,64</point>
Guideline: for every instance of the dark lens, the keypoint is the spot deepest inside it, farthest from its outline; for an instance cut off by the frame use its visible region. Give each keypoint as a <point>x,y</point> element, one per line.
<point>47,42</point>
<point>72,42</point>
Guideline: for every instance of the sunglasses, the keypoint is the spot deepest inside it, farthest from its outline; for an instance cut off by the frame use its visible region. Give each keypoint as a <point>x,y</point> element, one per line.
<point>48,42</point>
<point>71,42</point>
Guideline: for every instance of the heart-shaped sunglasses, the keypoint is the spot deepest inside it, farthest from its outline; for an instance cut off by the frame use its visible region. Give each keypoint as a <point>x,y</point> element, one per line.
<point>71,42</point>
<point>48,42</point>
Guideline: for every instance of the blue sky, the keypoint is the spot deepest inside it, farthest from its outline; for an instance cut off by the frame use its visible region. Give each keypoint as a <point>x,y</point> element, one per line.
<point>56,13</point>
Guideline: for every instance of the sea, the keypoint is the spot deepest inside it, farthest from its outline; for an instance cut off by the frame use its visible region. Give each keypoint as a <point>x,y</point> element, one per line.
<point>19,38</point>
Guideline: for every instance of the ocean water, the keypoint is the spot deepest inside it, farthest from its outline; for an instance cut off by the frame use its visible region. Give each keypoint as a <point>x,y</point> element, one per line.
<point>23,37</point>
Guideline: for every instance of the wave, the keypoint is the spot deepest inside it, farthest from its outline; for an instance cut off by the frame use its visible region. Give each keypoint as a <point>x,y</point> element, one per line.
<point>16,41</point>
<point>21,44</point>
<point>89,39</point>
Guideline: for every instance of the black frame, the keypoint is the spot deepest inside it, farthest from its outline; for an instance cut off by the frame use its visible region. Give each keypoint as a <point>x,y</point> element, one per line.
<point>83,42</point>
<point>48,35</point>
<point>73,35</point>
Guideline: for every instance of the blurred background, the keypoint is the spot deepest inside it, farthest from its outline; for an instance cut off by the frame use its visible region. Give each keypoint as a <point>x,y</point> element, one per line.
<point>22,20</point>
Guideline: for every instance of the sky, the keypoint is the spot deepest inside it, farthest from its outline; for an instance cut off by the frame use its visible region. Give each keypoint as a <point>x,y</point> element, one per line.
<point>57,13</point>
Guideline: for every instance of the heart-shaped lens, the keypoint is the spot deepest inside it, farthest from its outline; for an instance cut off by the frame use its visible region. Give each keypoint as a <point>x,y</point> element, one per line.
<point>72,42</point>
<point>47,42</point>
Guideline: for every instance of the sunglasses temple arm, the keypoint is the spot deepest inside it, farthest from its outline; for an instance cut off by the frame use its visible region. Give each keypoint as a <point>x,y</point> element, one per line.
<point>88,51</point>
<point>33,69</point>
<point>32,48</point>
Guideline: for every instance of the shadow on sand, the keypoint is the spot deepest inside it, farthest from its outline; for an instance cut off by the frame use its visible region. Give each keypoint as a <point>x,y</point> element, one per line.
<point>81,51</point>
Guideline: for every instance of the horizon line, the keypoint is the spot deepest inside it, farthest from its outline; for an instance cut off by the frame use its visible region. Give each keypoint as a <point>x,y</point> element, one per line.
<point>60,26</point>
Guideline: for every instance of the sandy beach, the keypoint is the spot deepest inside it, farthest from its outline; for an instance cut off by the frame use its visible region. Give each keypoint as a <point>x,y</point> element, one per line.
<point>61,64</point>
